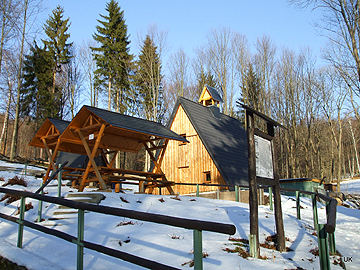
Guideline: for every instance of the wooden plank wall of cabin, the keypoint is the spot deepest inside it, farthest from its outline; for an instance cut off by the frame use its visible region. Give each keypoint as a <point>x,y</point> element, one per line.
<point>188,163</point>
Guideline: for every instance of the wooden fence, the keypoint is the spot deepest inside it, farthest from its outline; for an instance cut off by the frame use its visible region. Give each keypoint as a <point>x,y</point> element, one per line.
<point>196,225</point>
<point>325,232</point>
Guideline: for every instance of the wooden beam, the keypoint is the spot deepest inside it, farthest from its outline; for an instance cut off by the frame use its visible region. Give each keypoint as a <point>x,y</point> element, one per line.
<point>253,196</point>
<point>91,155</point>
<point>157,167</point>
<point>161,156</point>
<point>280,232</point>
<point>86,128</point>
<point>153,159</point>
<point>101,145</point>
<point>51,164</point>
<point>51,136</point>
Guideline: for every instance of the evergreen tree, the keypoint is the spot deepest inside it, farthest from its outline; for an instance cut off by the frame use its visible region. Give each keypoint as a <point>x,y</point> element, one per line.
<point>56,30</point>
<point>205,78</point>
<point>251,88</point>
<point>112,58</point>
<point>148,80</point>
<point>37,100</point>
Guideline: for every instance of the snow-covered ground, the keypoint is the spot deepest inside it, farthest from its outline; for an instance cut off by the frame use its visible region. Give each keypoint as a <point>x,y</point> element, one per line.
<point>170,245</point>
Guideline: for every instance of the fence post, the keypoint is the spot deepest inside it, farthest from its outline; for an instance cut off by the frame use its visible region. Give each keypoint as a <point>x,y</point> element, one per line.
<point>80,245</point>
<point>21,224</point>
<point>252,246</point>
<point>332,247</point>
<point>26,168</point>
<point>40,207</point>
<point>315,213</point>
<point>271,199</point>
<point>59,182</point>
<point>218,194</point>
<point>198,254</point>
<point>298,216</point>
<point>237,193</point>
<point>261,196</point>
<point>197,190</point>
<point>323,248</point>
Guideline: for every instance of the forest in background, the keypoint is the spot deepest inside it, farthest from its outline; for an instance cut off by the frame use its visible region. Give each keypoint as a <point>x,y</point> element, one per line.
<point>316,103</point>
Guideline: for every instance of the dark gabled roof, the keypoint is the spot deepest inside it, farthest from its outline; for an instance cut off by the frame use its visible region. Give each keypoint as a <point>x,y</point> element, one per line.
<point>225,139</point>
<point>60,125</point>
<point>135,124</point>
<point>214,93</point>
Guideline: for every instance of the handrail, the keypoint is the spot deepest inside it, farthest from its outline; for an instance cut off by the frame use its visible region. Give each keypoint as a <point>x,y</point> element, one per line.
<point>53,175</point>
<point>108,251</point>
<point>196,225</point>
<point>156,218</point>
<point>332,207</point>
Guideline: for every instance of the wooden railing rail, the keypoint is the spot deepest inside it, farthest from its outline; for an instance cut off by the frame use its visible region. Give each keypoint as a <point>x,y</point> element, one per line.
<point>196,225</point>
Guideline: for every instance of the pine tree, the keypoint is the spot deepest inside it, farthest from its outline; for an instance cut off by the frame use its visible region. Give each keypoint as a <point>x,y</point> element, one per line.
<point>56,30</point>
<point>148,80</point>
<point>37,100</point>
<point>205,78</point>
<point>112,58</point>
<point>251,88</point>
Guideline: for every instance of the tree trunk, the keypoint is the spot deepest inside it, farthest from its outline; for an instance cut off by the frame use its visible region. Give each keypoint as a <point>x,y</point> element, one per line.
<point>109,93</point>
<point>6,118</point>
<point>17,112</point>
<point>355,148</point>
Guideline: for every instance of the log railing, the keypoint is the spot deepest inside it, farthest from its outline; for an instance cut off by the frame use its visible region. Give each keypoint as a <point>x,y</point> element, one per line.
<point>196,225</point>
<point>325,232</point>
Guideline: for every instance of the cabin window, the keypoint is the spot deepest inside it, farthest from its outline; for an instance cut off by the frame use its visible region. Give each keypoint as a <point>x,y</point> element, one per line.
<point>183,154</point>
<point>207,177</point>
<point>184,136</point>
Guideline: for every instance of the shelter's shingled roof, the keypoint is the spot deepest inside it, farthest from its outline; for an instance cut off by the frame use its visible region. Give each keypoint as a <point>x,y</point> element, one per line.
<point>224,138</point>
<point>214,93</point>
<point>135,124</point>
<point>60,125</point>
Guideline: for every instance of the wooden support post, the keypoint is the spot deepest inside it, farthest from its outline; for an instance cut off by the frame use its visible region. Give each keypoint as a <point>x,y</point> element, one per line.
<point>198,254</point>
<point>117,187</point>
<point>80,238</point>
<point>237,193</point>
<point>298,216</point>
<point>218,194</point>
<point>261,196</point>
<point>157,162</point>
<point>254,252</point>
<point>253,196</point>
<point>21,224</point>
<point>40,207</point>
<point>91,155</point>
<point>271,199</point>
<point>332,247</point>
<point>280,232</point>
<point>197,190</point>
<point>315,212</point>
<point>59,183</point>
<point>52,158</point>
<point>141,187</point>
<point>323,248</point>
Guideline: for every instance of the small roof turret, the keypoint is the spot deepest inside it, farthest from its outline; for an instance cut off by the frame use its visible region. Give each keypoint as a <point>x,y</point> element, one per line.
<point>210,96</point>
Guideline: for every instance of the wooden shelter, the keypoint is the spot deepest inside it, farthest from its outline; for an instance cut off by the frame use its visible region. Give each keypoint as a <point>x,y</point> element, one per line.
<point>95,131</point>
<point>217,149</point>
<point>47,137</point>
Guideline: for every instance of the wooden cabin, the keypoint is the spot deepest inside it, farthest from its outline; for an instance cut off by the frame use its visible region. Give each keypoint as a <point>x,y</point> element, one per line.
<point>216,151</point>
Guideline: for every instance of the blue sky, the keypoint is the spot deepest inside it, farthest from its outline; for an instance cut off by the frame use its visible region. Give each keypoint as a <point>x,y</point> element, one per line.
<point>189,22</point>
